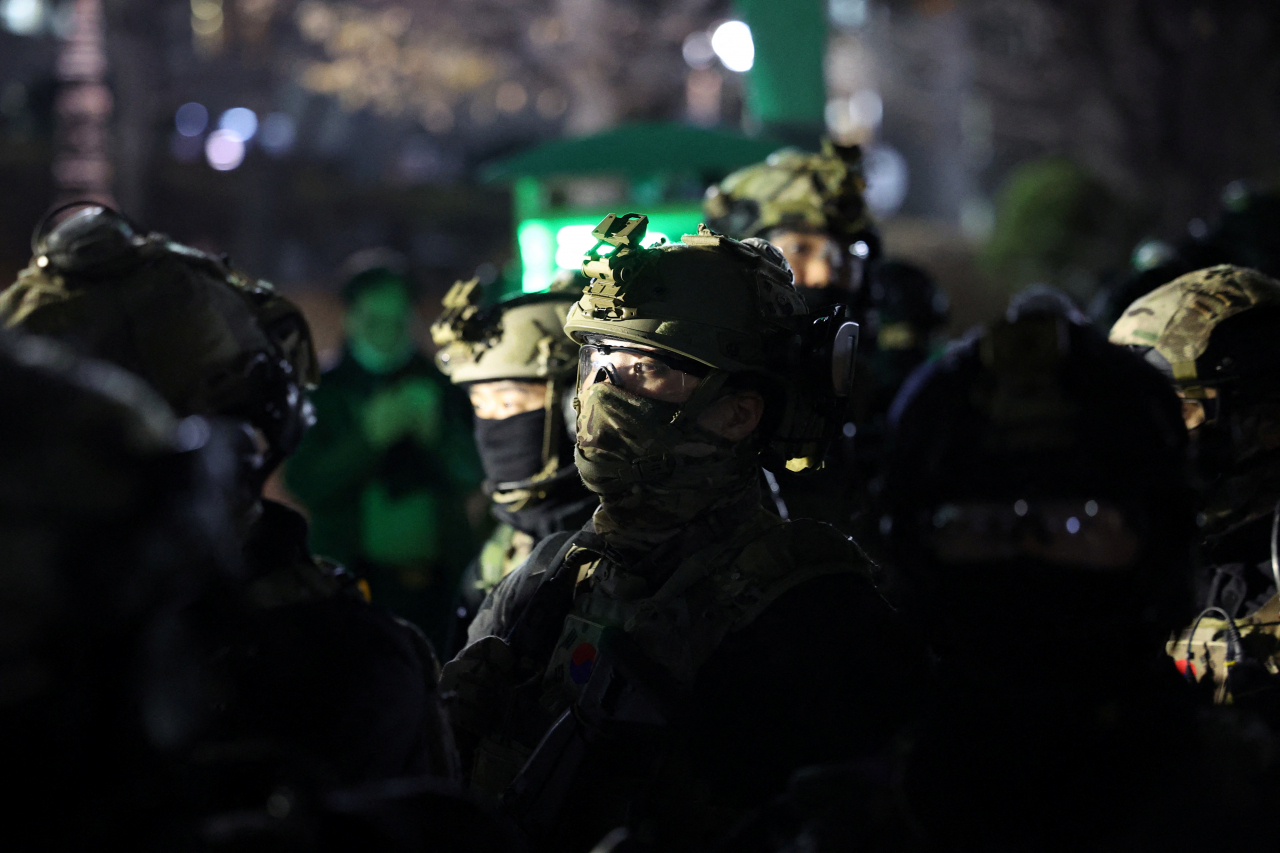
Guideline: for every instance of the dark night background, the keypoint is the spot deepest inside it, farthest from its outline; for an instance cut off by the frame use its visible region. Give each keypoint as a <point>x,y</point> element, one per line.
<point>1041,140</point>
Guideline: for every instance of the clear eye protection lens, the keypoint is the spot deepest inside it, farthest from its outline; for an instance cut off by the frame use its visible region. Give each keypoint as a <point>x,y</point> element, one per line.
<point>635,371</point>
<point>592,368</point>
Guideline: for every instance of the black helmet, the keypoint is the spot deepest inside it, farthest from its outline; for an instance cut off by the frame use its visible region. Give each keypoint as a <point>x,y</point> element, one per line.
<point>1041,451</point>
<point>208,338</point>
<point>113,522</point>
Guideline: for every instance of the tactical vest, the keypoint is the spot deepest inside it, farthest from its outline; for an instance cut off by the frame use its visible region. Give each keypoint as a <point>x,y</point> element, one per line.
<point>713,592</point>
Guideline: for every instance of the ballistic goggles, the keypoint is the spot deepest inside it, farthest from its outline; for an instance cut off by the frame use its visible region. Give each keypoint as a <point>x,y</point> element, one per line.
<point>656,374</point>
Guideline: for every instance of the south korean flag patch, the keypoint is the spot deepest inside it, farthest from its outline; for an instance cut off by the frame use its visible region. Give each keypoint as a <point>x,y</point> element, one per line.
<point>574,658</point>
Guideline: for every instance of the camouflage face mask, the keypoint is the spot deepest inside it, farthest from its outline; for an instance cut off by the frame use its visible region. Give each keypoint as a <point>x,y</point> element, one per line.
<point>653,466</point>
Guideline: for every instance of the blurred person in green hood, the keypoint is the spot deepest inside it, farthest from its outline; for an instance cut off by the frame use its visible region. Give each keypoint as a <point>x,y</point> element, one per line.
<point>387,470</point>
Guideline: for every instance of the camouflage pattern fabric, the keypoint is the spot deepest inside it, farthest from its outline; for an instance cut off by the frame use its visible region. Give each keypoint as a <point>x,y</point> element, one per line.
<point>1178,318</point>
<point>796,191</point>
<point>502,553</point>
<point>729,582</point>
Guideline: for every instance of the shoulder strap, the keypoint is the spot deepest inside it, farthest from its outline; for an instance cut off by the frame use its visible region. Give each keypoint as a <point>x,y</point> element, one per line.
<point>812,549</point>
<point>535,630</point>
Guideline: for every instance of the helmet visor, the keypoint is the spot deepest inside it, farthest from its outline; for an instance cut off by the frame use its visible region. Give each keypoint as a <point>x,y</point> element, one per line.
<point>646,373</point>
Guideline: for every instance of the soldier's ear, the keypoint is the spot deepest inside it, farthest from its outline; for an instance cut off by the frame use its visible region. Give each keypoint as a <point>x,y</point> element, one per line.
<point>734,416</point>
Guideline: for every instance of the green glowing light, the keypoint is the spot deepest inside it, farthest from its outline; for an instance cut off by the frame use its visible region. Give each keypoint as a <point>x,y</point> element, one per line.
<point>537,252</point>
<point>553,244</point>
<point>574,241</point>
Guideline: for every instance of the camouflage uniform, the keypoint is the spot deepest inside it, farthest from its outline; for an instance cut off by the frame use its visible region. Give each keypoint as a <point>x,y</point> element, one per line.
<point>1215,334</point>
<point>624,653</point>
<point>532,482</point>
<point>312,666</point>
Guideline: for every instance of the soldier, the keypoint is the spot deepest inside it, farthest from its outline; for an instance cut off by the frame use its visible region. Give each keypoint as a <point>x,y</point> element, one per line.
<point>112,528</point>
<point>310,664</point>
<point>1041,510</point>
<point>519,367</point>
<point>905,317</point>
<point>1246,233</point>
<point>811,207</point>
<point>629,650</point>
<point>1215,335</point>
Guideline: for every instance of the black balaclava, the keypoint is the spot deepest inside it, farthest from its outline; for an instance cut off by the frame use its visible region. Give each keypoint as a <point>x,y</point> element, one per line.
<point>510,448</point>
<point>511,451</point>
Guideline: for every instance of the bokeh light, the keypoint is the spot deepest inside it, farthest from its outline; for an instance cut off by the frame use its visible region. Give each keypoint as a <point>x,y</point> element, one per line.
<point>847,13</point>
<point>698,52</point>
<point>191,119</point>
<point>185,149</point>
<point>241,120</point>
<point>511,97</point>
<point>224,150</point>
<point>867,108</point>
<point>23,17</point>
<point>277,133</point>
<point>206,17</point>
<point>732,43</point>
<point>887,179</point>
<point>551,103</point>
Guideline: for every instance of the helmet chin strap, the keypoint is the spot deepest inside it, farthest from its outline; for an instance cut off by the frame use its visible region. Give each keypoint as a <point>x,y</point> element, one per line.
<point>551,424</point>
<point>708,392</point>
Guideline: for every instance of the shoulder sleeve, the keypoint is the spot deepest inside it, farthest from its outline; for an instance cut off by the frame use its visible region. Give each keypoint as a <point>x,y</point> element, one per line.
<point>788,556</point>
<point>502,606</point>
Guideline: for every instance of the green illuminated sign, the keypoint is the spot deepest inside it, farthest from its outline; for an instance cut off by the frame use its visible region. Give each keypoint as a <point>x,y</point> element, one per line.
<point>551,244</point>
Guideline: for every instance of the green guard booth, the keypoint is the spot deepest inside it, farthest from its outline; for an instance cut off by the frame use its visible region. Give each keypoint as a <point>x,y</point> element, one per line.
<point>658,169</point>
<point>661,169</point>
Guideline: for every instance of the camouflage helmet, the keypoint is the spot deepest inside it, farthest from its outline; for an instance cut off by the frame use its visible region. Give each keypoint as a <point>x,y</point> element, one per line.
<point>1208,327</point>
<point>794,190</point>
<point>1215,334</point>
<point>210,339</point>
<point>744,302</point>
<point>522,338</point>
<point>730,305</point>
